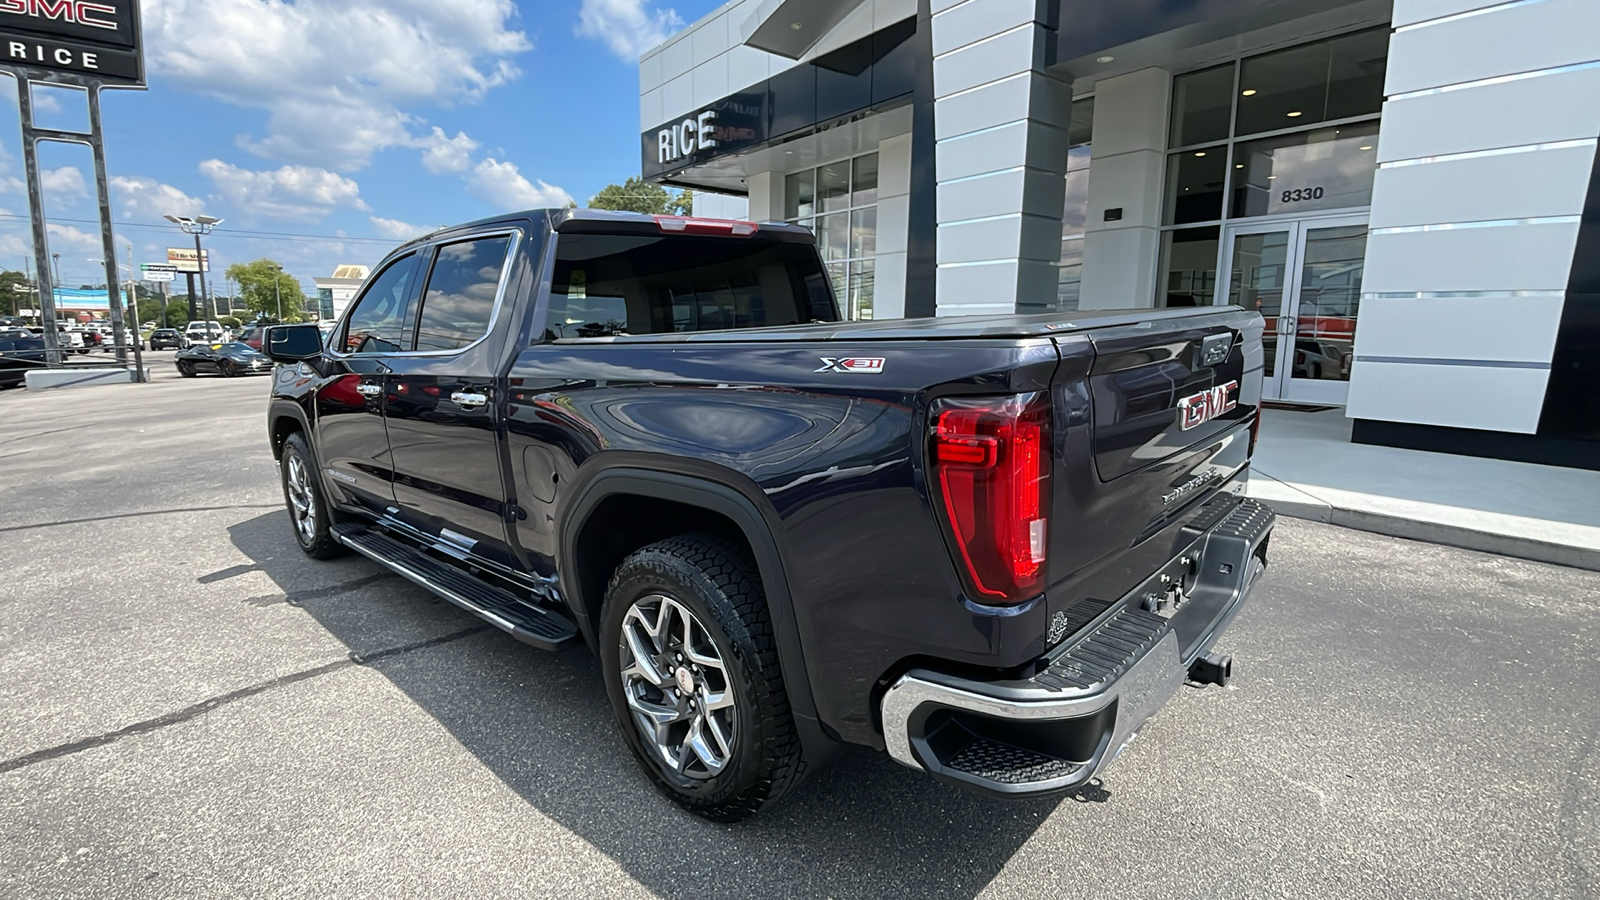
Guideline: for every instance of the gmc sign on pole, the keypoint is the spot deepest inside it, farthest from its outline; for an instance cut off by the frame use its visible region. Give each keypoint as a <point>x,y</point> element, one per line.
<point>91,39</point>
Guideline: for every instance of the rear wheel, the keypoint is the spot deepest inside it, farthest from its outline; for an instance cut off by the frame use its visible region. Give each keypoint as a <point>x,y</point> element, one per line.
<point>308,511</point>
<point>692,672</point>
<point>226,370</point>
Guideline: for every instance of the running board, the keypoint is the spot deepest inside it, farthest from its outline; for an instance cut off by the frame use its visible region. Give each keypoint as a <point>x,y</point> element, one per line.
<point>541,628</point>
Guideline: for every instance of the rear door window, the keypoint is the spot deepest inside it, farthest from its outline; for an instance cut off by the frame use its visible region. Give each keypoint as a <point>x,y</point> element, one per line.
<point>458,307</point>
<point>636,284</point>
<point>380,322</point>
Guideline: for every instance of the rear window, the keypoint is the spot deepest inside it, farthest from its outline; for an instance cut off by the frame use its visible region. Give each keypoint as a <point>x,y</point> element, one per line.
<point>630,284</point>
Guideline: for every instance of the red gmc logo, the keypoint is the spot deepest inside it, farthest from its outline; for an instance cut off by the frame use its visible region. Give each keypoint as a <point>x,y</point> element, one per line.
<point>77,11</point>
<point>1207,405</point>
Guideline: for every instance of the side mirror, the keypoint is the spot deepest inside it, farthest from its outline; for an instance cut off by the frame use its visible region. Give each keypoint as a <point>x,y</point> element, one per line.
<point>292,343</point>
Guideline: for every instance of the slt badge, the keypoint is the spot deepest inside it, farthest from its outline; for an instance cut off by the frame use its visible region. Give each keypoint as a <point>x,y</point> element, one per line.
<point>856,365</point>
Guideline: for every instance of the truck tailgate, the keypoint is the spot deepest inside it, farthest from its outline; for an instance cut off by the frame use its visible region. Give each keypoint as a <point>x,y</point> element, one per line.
<point>1158,418</point>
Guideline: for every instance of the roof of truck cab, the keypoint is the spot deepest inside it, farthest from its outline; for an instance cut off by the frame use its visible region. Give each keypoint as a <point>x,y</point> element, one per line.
<point>625,221</point>
<point>943,328</point>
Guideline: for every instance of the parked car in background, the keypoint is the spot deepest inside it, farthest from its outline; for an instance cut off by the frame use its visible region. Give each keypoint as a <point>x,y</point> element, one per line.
<point>167,339</point>
<point>13,322</point>
<point>9,333</point>
<point>17,356</point>
<point>250,337</point>
<point>202,332</point>
<point>228,360</point>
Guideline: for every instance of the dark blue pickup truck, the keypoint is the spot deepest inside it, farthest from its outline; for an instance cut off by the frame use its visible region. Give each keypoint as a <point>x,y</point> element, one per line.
<point>992,546</point>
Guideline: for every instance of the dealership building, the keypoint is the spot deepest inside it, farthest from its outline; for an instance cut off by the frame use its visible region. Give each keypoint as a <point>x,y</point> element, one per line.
<point>1407,190</point>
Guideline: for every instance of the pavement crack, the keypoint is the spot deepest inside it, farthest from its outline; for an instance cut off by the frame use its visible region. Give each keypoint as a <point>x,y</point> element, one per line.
<point>135,515</point>
<point>199,709</point>
<point>298,598</point>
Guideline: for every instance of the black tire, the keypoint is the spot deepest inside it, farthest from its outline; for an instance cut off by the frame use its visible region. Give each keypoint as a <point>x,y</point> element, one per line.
<point>226,369</point>
<point>715,580</point>
<point>186,370</point>
<point>316,539</point>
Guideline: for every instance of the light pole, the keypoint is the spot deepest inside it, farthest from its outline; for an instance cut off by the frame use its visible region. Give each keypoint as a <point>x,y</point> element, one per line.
<point>277,289</point>
<point>196,226</point>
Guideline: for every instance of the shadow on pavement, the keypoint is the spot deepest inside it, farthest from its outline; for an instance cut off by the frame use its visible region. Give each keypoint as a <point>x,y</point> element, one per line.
<point>541,723</point>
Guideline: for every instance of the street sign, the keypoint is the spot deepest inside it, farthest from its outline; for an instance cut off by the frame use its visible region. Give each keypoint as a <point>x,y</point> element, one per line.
<point>159,272</point>
<point>72,40</point>
<point>182,260</point>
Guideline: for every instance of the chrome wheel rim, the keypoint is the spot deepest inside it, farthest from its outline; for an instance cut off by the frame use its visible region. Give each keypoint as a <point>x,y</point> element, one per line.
<point>677,687</point>
<point>302,502</point>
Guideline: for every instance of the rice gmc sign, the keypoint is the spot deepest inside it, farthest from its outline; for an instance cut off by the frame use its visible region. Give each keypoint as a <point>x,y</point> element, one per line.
<point>96,39</point>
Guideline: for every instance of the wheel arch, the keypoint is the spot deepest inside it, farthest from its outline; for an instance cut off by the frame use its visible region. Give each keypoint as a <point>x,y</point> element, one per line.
<point>715,500</point>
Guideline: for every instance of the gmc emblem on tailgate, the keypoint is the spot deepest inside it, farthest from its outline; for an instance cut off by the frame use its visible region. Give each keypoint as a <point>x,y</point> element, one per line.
<point>1207,405</point>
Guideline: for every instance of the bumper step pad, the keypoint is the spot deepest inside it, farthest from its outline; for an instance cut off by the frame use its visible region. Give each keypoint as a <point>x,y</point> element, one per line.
<point>545,629</point>
<point>1106,652</point>
<point>1004,764</point>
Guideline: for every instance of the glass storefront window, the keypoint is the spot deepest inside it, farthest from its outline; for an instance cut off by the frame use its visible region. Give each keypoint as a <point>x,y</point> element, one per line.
<point>1325,168</point>
<point>1195,185</point>
<point>1335,79</point>
<point>862,275</point>
<point>1202,103</point>
<point>1189,266</point>
<point>833,187</point>
<point>838,202</point>
<point>1316,159</point>
<point>864,180</point>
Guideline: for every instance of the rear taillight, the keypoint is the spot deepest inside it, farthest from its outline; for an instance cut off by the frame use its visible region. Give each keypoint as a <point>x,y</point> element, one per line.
<point>990,459</point>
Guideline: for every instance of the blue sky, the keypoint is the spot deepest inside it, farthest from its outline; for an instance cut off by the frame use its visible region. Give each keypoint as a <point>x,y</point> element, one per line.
<point>350,124</point>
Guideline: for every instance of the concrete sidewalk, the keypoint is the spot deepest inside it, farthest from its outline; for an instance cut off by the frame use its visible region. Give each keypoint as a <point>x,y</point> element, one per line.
<point>1306,467</point>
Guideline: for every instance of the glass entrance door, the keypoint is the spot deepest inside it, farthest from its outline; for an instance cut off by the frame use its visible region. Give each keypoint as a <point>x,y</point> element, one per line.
<point>1304,277</point>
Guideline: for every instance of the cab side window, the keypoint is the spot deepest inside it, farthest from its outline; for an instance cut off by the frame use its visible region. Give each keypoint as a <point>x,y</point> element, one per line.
<point>459,302</point>
<point>381,320</point>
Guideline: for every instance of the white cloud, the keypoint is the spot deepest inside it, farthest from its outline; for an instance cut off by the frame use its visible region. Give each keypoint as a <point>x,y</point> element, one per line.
<point>64,183</point>
<point>147,199</point>
<point>337,77</point>
<point>394,229</point>
<point>502,185</point>
<point>446,154</point>
<point>628,27</point>
<point>291,192</point>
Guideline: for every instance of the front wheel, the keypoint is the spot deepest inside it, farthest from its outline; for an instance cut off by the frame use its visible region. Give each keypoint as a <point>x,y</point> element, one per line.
<point>692,671</point>
<point>186,370</point>
<point>302,493</point>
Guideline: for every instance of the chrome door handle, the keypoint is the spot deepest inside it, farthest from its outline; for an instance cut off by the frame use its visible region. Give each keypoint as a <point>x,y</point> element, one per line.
<point>369,390</point>
<point>468,401</point>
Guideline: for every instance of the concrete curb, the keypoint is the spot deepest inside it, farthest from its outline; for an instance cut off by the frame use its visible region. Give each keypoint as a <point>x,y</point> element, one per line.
<point>1436,533</point>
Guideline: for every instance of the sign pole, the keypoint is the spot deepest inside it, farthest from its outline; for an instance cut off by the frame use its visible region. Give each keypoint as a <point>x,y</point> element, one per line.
<point>108,238</point>
<point>41,235</point>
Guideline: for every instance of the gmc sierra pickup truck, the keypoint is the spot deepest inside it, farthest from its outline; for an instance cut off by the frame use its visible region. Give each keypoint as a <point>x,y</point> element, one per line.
<point>991,546</point>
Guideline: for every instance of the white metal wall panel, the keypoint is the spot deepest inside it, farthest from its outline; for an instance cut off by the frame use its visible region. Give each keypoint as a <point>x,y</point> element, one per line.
<point>1560,106</point>
<point>1507,186</point>
<point>1501,328</point>
<point>1490,399</point>
<point>1512,38</point>
<point>1409,12</point>
<point>1506,258</point>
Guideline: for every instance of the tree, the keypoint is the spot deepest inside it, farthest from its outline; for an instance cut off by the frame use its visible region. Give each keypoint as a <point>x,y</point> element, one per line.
<point>263,283</point>
<point>16,292</point>
<point>178,313</point>
<point>638,195</point>
<point>149,310</point>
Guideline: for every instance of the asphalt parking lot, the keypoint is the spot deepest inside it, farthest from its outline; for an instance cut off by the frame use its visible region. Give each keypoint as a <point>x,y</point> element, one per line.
<point>190,708</point>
